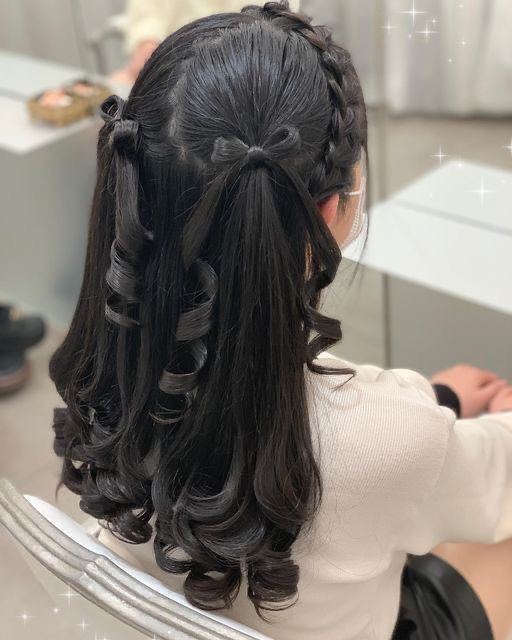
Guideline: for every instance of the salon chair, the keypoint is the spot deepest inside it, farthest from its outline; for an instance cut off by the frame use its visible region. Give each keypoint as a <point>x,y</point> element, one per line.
<point>102,589</point>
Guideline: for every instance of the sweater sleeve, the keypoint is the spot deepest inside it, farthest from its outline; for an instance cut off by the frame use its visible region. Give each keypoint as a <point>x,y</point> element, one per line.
<point>471,498</point>
<point>426,476</point>
<point>146,20</point>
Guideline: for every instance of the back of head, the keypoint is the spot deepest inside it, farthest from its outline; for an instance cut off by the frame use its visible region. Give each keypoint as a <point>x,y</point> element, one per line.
<point>183,371</point>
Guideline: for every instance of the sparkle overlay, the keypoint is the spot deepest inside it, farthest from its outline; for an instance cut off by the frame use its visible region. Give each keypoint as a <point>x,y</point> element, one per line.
<point>413,13</point>
<point>83,625</point>
<point>440,155</point>
<point>24,617</point>
<point>427,32</point>
<point>482,192</point>
<point>69,594</point>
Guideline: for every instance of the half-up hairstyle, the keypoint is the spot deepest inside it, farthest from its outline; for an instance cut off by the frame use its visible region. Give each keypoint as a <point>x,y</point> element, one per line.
<point>183,371</point>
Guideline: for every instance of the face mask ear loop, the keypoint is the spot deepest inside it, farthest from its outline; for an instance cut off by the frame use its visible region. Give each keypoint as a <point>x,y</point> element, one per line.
<point>359,220</point>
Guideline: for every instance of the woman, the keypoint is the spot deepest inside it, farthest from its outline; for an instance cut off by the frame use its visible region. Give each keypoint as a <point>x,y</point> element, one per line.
<point>266,477</point>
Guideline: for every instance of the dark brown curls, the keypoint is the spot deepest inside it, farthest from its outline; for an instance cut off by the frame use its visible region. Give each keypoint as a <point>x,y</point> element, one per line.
<point>184,369</point>
<point>129,246</point>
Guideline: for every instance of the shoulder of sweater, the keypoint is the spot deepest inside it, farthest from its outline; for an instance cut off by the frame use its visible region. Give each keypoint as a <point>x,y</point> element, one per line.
<point>388,418</point>
<point>397,377</point>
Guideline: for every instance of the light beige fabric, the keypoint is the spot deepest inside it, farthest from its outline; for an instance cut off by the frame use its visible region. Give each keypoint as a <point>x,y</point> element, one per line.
<point>400,475</point>
<point>156,19</point>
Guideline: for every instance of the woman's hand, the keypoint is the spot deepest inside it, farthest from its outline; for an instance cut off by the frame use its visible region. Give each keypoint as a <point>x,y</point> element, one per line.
<point>476,388</point>
<point>502,401</point>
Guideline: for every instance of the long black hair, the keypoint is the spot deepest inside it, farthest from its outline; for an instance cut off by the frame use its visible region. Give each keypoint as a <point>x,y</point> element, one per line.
<point>183,371</point>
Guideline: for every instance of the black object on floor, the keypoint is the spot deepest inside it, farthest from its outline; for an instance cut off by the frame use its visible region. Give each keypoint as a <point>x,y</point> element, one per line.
<point>19,332</point>
<point>438,603</point>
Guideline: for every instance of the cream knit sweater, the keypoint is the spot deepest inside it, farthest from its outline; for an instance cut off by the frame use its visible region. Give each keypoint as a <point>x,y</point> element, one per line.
<point>156,19</point>
<point>401,474</point>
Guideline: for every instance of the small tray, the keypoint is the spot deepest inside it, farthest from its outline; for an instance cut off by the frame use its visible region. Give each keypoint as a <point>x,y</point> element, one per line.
<point>57,107</point>
<point>63,105</point>
<point>93,92</point>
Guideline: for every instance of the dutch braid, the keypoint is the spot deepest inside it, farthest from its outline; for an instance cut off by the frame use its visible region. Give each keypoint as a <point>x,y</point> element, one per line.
<point>343,84</point>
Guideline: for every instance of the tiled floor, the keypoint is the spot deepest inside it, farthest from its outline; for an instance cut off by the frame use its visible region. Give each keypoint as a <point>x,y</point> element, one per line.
<point>26,456</point>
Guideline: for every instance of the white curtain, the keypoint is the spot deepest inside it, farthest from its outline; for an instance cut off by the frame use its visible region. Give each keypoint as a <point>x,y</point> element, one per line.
<point>453,56</point>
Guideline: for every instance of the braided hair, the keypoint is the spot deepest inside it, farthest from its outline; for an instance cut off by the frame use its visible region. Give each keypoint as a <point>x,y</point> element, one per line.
<point>184,371</point>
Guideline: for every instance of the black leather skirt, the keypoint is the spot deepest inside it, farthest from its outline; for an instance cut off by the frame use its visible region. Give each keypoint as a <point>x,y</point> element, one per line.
<point>437,603</point>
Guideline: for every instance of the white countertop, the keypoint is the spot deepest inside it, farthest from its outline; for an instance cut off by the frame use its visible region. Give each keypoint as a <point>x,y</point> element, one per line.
<point>451,231</point>
<point>19,134</point>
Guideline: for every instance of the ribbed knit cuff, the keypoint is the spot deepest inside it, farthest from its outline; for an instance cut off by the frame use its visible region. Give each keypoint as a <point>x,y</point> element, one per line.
<point>447,397</point>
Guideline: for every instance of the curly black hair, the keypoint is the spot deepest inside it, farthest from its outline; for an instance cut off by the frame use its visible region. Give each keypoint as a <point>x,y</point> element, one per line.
<point>184,369</point>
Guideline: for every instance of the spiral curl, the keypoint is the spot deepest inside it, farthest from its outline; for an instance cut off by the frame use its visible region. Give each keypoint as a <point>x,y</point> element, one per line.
<point>131,241</point>
<point>180,377</point>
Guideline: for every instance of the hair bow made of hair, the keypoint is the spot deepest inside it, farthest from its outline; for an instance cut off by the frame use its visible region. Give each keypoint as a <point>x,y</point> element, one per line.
<point>284,142</point>
<point>124,130</point>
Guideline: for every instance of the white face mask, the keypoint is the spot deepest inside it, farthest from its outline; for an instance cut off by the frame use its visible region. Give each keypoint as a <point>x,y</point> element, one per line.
<point>360,221</point>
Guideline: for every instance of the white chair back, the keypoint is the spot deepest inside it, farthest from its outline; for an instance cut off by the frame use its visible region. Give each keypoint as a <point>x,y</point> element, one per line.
<point>115,598</point>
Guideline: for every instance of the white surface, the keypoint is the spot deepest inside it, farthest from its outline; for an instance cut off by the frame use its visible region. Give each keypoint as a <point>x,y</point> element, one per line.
<point>74,531</point>
<point>22,77</point>
<point>453,190</point>
<point>26,76</point>
<point>438,233</point>
<point>20,135</point>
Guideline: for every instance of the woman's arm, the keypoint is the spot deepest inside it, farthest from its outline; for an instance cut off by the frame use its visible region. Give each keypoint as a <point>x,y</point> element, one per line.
<point>471,500</point>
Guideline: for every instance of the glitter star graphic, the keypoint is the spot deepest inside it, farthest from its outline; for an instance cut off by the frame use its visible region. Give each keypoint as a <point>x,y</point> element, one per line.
<point>427,33</point>
<point>482,192</point>
<point>24,617</point>
<point>83,625</point>
<point>69,594</point>
<point>509,146</point>
<point>440,155</point>
<point>388,27</point>
<point>413,12</point>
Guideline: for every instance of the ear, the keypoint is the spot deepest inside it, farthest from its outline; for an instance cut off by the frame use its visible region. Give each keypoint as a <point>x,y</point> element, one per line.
<point>329,207</point>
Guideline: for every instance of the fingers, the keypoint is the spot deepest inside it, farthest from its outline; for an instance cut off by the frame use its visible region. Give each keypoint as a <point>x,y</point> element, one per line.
<point>502,401</point>
<point>505,392</point>
<point>485,376</point>
<point>487,392</point>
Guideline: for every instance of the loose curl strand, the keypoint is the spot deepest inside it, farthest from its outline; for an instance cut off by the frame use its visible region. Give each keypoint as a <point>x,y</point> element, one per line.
<point>184,369</point>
